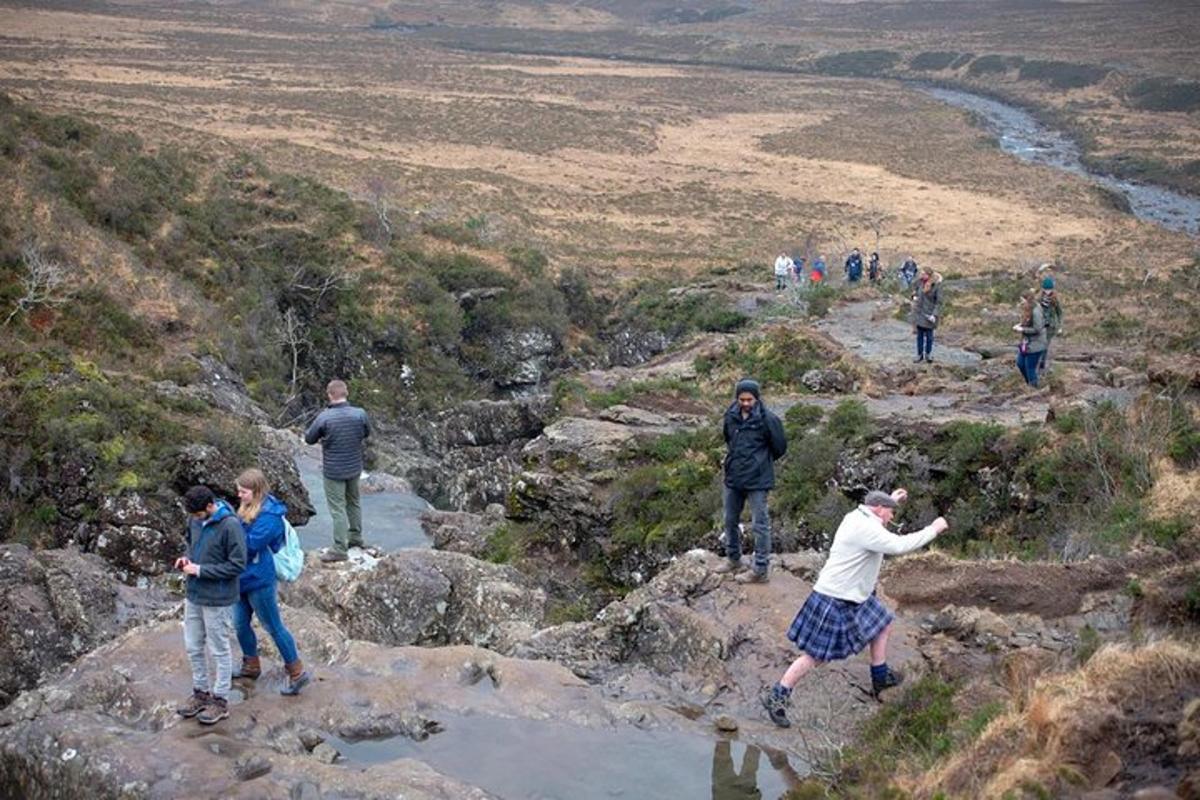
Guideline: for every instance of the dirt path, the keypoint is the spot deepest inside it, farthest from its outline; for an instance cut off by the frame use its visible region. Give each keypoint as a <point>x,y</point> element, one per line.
<point>869,330</point>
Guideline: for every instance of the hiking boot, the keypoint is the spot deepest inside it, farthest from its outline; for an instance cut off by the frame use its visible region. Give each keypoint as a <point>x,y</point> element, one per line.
<point>250,669</point>
<point>918,359</point>
<point>297,679</point>
<point>332,556</point>
<point>928,359</point>
<point>753,576</point>
<point>776,707</point>
<point>729,566</point>
<point>194,704</point>
<point>214,711</point>
<point>892,678</point>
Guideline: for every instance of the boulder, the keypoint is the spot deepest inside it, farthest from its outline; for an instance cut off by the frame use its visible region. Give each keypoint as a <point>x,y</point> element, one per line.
<point>56,605</point>
<point>523,357</point>
<point>425,597</point>
<point>461,531</point>
<point>205,464</point>
<point>628,348</point>
<point>827,381</point>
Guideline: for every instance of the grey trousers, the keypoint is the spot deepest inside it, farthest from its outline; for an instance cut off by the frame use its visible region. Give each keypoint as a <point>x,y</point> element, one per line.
<point>206,632</point>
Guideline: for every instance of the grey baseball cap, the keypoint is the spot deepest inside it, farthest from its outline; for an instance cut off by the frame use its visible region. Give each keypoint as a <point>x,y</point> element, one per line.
<point>878,498</point>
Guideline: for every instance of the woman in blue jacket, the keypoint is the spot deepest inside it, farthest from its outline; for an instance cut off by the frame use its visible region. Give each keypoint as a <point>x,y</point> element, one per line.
<point>262,515</point>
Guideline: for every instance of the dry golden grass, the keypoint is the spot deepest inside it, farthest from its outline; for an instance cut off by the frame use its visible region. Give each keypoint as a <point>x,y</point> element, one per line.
<point>1067,737</point>
<point>634,167</point>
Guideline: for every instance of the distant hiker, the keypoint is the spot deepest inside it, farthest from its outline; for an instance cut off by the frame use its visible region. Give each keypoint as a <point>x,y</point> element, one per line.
<point>783,270</point>
<point>262,514</point>
<point>798,271</point>
<point>341,429</point>
<point>818,269</point>
<point>754,440</point>
<point>1032,328</point>
<point>908,272</point>
<point>926,308</point>
<point>842,615</point>
<point>1053,314</point>
<point>854,266</point>
<point>216,556</point>
<point>873,268</point>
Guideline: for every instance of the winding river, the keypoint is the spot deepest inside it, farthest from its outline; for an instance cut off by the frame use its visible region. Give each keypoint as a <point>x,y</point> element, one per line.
<point>1020,134</point>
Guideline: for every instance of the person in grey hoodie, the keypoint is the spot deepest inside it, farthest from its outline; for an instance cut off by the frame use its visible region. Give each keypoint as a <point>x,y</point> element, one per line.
<point>341,429</point>
<point>1032,328</point>
<point>216,556</point>
<point>926,309</point>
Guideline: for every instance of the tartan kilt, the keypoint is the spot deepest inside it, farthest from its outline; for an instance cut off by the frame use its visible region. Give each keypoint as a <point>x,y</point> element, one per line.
<point>830,629</point>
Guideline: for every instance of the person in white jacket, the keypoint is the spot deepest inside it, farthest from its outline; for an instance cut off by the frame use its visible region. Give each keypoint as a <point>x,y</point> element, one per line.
<point>783,271</point>
<point>842,615</point>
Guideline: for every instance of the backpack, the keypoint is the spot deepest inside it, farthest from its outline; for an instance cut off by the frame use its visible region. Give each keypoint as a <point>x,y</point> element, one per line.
<point>289,561</point>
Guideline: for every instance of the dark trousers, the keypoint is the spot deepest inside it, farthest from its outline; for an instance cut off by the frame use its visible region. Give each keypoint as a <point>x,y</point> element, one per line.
<point>924,342</point>
<point>735,501</point>
<point>1027,363</point>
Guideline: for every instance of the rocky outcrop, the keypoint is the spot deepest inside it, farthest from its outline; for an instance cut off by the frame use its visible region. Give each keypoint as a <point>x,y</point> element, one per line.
<point>523,356</point>
<point>207,465</point>
<point>56,605</point>
<point>462,531</point>
<point>425,597</point>
<point>472,452</point>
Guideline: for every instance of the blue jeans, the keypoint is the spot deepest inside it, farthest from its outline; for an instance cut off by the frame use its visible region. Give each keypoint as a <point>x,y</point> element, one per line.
<point>264,603</point>
<point>1027,363</point>
<point>735,501</point>
<point>924,342</point>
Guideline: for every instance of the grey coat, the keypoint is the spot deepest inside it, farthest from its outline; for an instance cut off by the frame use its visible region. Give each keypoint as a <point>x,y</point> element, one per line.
<point>341,430</point>
<point>1034,333</point>
<point>927,304</point>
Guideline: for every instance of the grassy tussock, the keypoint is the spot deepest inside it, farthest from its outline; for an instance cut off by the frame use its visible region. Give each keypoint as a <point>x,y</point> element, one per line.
<point>1063,736</point>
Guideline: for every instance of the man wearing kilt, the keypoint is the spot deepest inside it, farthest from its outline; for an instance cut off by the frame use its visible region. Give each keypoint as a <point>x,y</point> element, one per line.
<point>842,615</point>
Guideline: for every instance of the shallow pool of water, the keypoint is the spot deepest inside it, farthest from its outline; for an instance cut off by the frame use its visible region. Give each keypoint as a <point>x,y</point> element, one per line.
<point>521,759</point>
<point>1019,133</point>
<point>391,520</point>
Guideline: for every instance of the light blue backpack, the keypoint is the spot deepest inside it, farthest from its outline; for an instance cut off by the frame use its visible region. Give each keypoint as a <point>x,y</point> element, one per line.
<point>289,561</point>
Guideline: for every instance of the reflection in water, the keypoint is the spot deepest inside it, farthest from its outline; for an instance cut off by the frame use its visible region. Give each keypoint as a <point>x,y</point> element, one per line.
<point>729,783</point>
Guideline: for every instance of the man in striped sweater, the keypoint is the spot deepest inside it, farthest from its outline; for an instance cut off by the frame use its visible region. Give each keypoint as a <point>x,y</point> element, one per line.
<point>341,429</point>
<point>842,615</point>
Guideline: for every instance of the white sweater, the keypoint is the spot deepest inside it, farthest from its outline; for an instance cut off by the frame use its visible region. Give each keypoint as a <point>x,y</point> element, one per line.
<point>783,266</point>
<point>854,560</point>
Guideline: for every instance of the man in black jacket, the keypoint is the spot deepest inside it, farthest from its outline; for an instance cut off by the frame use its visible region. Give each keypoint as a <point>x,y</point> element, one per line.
<point>755,439</point>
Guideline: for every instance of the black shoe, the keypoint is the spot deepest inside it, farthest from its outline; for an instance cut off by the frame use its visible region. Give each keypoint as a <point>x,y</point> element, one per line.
<point>928,359</point>
<point>892,678</point>
<point>918,359</point>
<point>776,707</point>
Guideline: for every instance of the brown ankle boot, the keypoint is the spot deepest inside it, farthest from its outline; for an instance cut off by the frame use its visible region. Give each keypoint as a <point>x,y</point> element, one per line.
<point>297,678</point>
<point>251,668</point>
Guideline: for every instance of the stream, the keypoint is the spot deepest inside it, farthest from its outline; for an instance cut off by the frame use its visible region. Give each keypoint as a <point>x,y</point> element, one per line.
<point>1020,134</point>
<point>391,520</point>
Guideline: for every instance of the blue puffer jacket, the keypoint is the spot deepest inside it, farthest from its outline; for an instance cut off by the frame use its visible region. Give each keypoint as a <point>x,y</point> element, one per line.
<point>264,536</point>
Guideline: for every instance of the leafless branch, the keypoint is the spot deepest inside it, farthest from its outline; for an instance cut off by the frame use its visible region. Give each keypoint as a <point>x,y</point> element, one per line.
<point>44,282</point>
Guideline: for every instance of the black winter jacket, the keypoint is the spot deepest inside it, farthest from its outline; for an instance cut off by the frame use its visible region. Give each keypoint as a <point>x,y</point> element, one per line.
<point>753,443</point>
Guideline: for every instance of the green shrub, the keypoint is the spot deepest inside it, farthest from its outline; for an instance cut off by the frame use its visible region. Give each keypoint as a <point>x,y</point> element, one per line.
<point>1164,94</point>
<point>777,359</point>
<point>1062,74</point>
<point>985,65</point>
<point>850,420</point>
<point>857,63</point>
<point>934,61</point>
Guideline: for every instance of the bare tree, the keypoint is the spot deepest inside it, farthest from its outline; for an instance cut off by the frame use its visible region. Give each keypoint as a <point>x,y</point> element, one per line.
<point>379,191</point>
<point>292,336</point>
<point>878,221</point>
<point>44,282</point>
<point>317,285</point>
